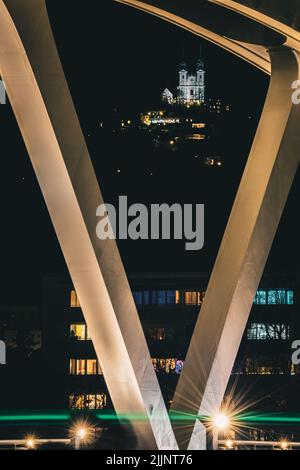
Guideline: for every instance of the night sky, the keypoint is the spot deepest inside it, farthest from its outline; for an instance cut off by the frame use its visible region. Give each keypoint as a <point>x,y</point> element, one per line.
<point>116,57</point>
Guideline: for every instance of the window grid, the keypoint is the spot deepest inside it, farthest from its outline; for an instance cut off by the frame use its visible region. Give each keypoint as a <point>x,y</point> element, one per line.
<point>82,401</point>
<point>268,331</point>
<point>85,367</point>
<point>274,297</point>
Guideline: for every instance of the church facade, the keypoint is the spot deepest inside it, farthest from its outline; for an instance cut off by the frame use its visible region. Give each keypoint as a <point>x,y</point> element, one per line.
<point>191,88</point>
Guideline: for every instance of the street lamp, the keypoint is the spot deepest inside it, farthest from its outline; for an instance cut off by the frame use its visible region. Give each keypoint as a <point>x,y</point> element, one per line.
<point>82,433</point>
<point>80,436</point>
<point>217,424</point>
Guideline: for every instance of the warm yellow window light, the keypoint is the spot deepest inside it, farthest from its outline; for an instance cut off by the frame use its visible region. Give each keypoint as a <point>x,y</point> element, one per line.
<point>74,301</point>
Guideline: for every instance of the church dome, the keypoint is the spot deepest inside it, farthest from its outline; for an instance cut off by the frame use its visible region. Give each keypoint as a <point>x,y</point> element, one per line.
<point>182,65</point>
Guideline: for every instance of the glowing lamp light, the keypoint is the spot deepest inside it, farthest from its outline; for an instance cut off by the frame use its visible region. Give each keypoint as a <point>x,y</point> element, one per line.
<point>30,442</point>
<point>284,445</point>
<point>221,421</point>
<point>82,433</point>
<point>229,444</point>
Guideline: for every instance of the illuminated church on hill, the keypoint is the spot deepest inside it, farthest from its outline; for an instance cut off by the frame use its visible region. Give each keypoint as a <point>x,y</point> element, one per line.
<point>191,88</point>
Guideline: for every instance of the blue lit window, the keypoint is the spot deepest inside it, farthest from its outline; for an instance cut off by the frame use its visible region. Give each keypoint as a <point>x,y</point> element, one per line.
<point>141,298</point>
<point>161,297</point>
<point>138,298</point>
<point>274,297</point>
<point>290,297</point>
<point>179,367</point>
<point>261,297</point>
<point>171,297</point>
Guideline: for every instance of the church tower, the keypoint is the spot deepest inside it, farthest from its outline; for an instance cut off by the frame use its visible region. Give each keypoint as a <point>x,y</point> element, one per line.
<point>200,79</point>
<point>183,75</point>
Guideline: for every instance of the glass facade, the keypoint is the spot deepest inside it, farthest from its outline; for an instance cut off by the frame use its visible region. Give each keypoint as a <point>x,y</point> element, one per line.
<point>168,297</point>
<point>274,297</point>
<point>264,328</point>
<point>186,297</point>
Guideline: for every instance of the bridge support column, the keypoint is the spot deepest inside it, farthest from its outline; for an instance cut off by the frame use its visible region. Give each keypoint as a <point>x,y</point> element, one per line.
<point>248,238</point>
<point>40,97</point>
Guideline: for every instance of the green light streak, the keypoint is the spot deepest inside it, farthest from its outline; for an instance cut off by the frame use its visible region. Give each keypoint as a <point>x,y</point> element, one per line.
<point>35,417</point>
<point>270,418</point>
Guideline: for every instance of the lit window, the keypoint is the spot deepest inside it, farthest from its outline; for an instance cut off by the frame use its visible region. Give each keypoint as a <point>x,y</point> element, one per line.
<point>85,367</point>
<point>290,297</point>
<point>141,298</point>
<point>160,297</point>
<point>266,331</point>
<point>179,367</point>
<point>192,298</point>
<point>74,301</point>
<point>163,297</point>
<point>171,297</point>
<point>91,367</point>
<point>80,367</point>
<point>138,298</point>
<point>157,334</point>
<point>83,401</point>
<point>167,366</point>
<point>267,365</point>
<point>261,297</point>
<point>198,125</point>
<point>278,297</point>
<point>79,332</point>
<point>274,297</point>
<point>72,366</point>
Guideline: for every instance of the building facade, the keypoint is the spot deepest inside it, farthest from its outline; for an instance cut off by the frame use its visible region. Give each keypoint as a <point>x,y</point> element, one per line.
<point>169,305</point>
